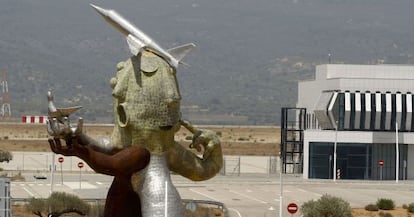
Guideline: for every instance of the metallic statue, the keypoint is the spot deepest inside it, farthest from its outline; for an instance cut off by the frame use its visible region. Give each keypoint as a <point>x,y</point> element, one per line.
<point>146,102</point>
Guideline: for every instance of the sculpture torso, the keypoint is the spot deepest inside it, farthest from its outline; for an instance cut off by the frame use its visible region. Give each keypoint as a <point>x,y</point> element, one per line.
<point>147,110</point>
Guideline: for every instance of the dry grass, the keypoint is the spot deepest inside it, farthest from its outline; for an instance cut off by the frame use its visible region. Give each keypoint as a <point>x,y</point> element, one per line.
<point>397,212</point>
<point>235,140</point>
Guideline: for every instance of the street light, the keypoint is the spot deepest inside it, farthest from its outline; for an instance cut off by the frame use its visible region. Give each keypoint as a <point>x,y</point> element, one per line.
<point>397,154</point>
<point>334,155</point>
<point>80,165</point>
<point>281,186</point>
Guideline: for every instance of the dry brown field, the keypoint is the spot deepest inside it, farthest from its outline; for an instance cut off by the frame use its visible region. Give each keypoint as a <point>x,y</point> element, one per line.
<point>236,140</point>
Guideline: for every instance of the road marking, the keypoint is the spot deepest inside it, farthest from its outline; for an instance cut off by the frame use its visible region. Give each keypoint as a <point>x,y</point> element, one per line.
<point>247,196</point>
<point>84,185</point>
<point>305,191</point>
<point>205,195</point>
<point>236,211</point>
<point>29,192</point>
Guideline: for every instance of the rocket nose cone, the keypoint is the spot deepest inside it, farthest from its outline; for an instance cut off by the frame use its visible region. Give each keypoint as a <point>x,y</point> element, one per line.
<point>49,96</point>
<point>100,10</point>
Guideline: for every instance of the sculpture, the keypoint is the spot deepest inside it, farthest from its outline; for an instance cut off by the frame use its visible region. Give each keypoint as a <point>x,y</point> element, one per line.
<point>146,102</point>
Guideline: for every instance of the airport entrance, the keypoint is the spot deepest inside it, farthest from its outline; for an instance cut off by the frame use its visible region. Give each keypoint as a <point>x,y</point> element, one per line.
<point>356,161</point>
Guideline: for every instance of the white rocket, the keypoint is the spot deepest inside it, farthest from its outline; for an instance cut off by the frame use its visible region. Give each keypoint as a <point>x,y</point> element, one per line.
<point>138,40</point>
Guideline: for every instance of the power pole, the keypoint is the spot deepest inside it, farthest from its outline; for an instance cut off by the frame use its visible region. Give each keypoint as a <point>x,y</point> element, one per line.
<point>5,104</point>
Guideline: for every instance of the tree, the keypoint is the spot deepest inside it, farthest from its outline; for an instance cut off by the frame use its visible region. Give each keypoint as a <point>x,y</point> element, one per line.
<point>58,203</point>
<point>5,156</point>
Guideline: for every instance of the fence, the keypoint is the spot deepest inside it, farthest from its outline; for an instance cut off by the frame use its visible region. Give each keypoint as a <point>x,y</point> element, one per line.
<point>43,161</point>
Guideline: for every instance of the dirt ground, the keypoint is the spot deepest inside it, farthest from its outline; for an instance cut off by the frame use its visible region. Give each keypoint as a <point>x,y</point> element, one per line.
<point>237,140</point>
<point>397,212</point>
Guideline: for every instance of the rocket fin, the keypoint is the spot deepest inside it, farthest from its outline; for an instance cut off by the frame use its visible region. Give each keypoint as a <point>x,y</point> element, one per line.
<point>63,112</point>
<point>134,44</point>
<point>181,51</point>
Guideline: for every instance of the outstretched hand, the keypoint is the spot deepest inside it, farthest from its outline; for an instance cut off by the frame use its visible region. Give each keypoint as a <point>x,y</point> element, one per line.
<point>73,149</point>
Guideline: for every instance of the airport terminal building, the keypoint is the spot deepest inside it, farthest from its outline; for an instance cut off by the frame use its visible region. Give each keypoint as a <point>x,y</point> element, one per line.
<point>364,114</point>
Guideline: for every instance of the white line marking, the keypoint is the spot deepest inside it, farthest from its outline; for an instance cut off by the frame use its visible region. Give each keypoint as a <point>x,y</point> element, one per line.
<point>29,192</point>
<point>205,195</point>
<point>305,191</point>
<point>248,197</point>
<point>236,211</point>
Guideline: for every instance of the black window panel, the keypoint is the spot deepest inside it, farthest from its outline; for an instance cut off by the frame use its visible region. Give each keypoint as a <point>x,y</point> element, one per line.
<point>393,111</point>
<point>341,98</point>
<point>352,116</point>
<point>373,111</point>
<point>403,112</point>
<point>383,112</point>
<point>363,113</point>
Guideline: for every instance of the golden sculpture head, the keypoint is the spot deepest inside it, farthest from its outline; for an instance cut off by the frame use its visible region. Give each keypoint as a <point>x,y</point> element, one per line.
<point>146,94</point>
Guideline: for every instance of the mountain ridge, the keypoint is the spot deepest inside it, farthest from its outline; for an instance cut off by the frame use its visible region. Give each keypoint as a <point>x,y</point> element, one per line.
<point>248,59</point>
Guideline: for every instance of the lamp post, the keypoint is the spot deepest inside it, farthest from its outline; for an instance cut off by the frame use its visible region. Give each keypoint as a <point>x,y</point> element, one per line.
<point>281,187</point>
<point>334,155</point>
<point>397,154</point>
<point>80,165</point>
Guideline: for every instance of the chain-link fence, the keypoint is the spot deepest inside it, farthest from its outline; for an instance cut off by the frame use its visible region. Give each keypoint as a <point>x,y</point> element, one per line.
<point>45,161</point>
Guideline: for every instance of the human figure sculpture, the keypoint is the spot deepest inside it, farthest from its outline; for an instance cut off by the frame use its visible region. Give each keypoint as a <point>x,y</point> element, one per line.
<point>147,115</point>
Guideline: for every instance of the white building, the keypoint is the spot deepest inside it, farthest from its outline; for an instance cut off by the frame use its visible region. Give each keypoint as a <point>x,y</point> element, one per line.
<point>356,108</point>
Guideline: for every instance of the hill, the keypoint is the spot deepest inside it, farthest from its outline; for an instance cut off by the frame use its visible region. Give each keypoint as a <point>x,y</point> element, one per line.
<point>249,58</point>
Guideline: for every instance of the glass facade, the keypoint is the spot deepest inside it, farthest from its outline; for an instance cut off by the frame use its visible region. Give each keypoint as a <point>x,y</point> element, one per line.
<point>356,161</point>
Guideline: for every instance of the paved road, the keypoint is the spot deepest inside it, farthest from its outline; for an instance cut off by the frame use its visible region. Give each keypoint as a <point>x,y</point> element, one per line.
<point>252,195</point>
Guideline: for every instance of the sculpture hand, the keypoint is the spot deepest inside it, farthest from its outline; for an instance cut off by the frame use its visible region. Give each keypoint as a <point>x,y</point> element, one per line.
<point>69,150</point>
<point>208,140</point>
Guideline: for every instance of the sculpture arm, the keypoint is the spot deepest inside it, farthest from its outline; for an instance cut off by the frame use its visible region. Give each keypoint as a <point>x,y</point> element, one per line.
<point>189,165</point>
<point>119,163</point>
<point>67,132</point>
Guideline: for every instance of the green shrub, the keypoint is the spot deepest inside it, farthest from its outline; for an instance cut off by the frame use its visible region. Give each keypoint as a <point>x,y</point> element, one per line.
<point>5,156</point>
<point>410,207</point>
<point>371,207</point>
<point>385,204</point>
<point>405,206</point>
<point>326,206</point>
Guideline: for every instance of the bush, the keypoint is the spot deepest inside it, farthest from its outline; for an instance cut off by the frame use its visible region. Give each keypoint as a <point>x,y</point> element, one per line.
<point>385,204</point>
<point>371,207</point>
<point>327,206</point>
<point>58,204</point>
<point>5,156</point>
<point>410,207</point>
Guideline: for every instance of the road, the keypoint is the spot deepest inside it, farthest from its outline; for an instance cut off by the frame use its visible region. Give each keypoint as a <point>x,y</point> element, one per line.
<point>248,195</point>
